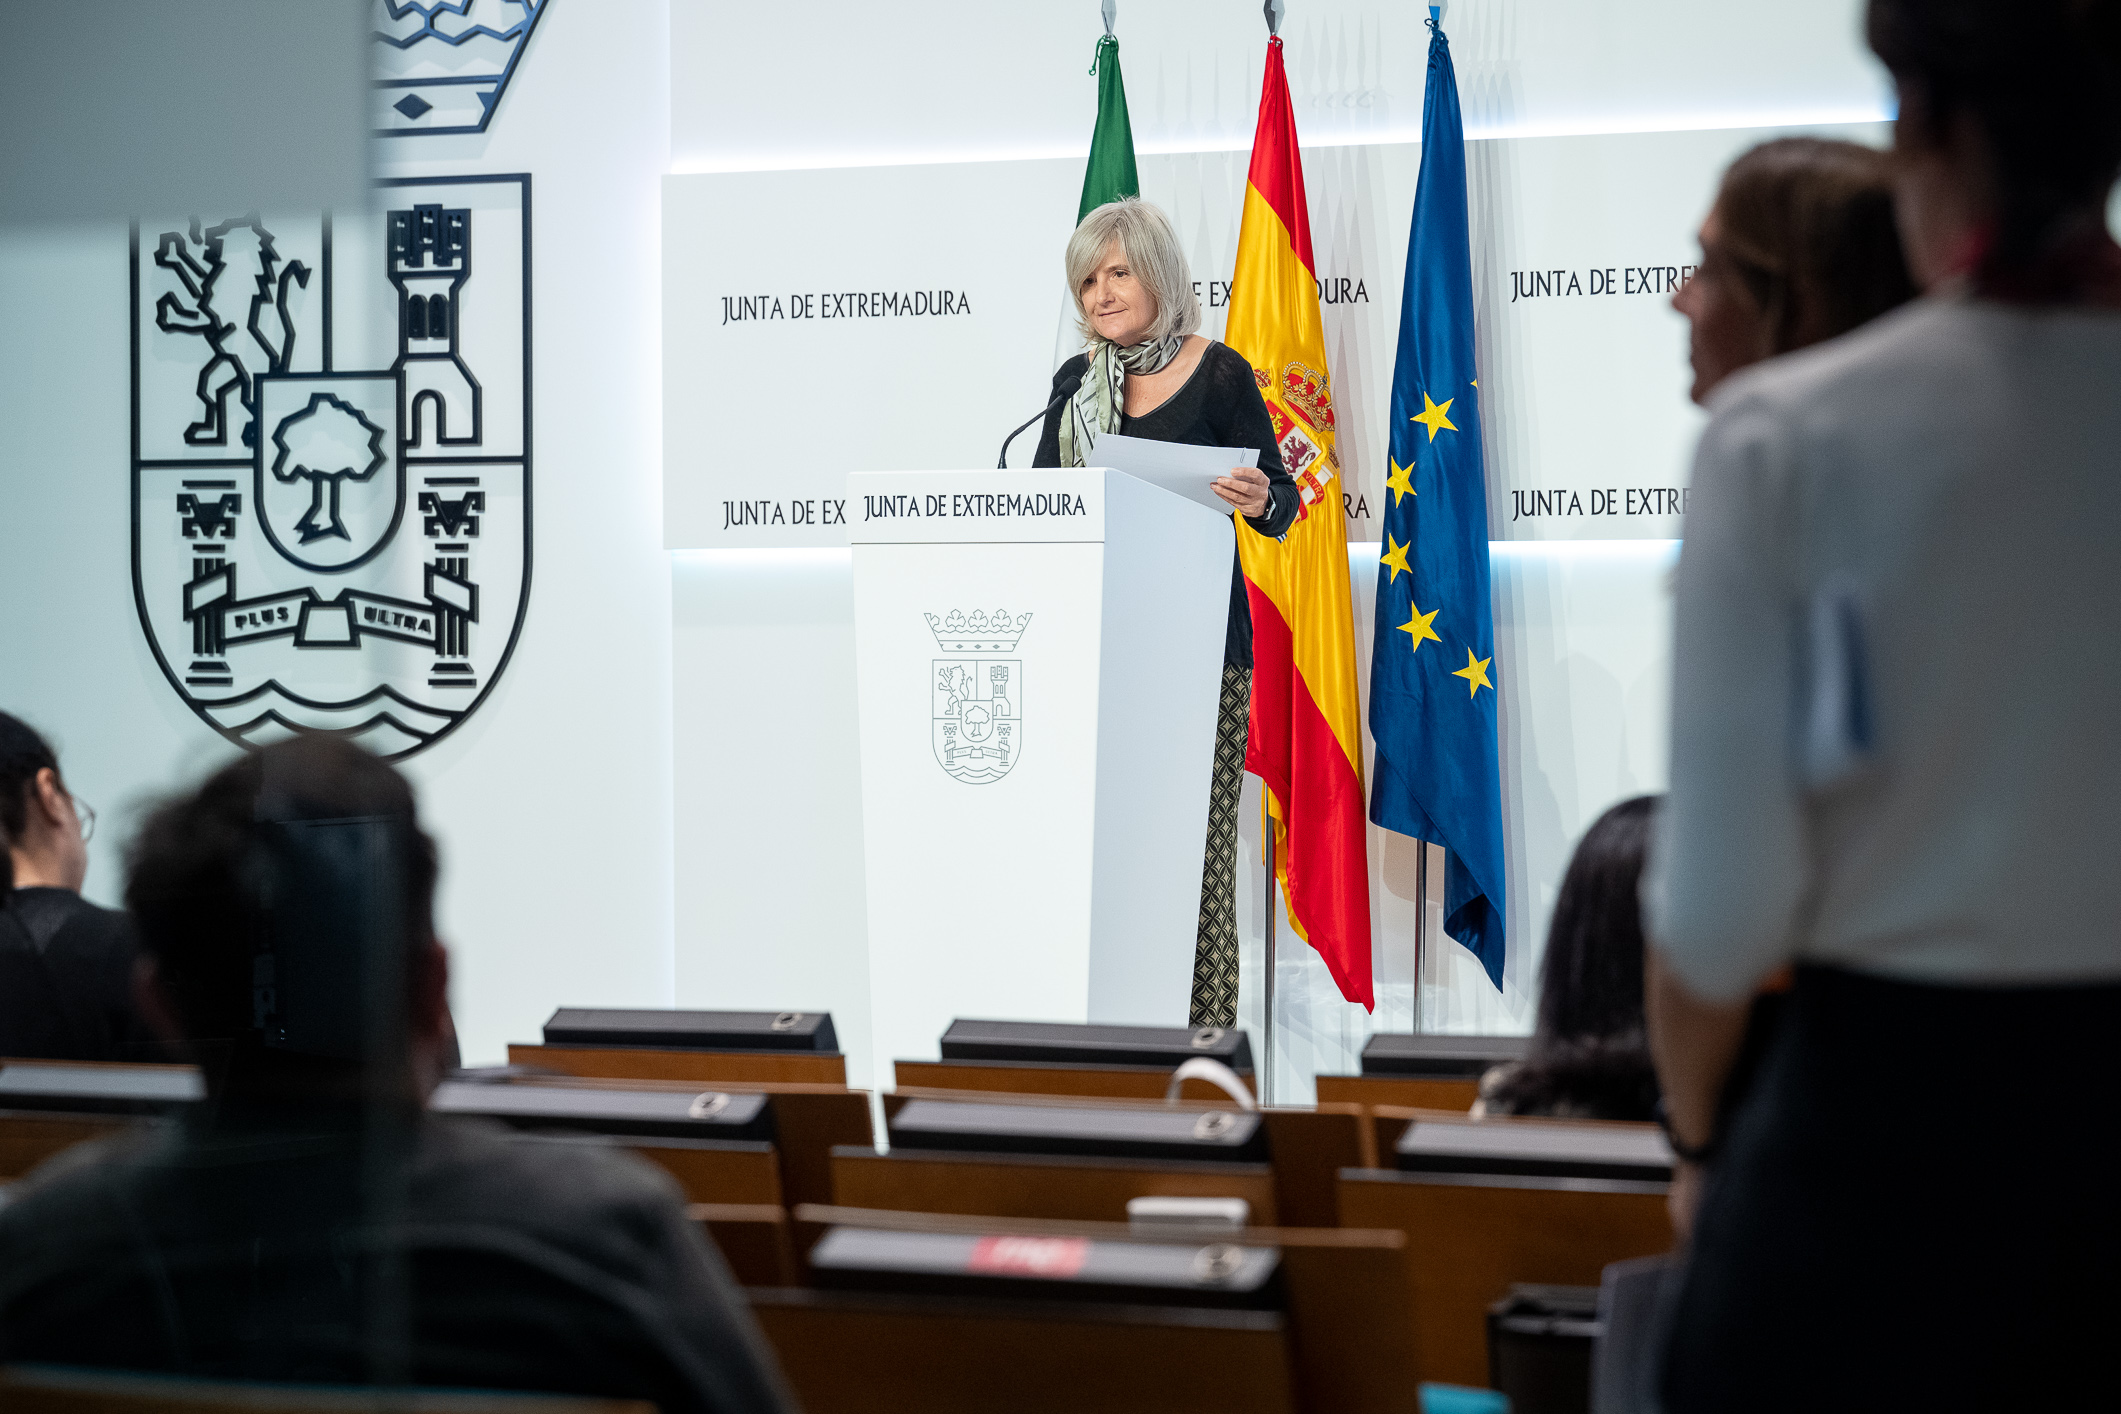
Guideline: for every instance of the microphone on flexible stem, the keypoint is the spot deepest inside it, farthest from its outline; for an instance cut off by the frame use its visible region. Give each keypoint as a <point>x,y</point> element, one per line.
<point>1067,391</point>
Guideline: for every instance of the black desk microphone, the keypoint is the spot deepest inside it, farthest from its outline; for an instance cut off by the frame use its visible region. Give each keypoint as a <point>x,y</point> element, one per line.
<point>1067,391</point>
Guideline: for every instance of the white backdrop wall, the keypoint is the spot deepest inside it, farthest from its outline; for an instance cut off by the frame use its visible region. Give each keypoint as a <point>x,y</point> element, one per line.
<point>770,885</point>
<point>552,804</point>
<point>847,83</point>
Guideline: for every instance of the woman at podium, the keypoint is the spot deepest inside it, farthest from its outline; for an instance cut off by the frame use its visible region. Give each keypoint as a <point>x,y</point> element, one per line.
<point>1144,372</point>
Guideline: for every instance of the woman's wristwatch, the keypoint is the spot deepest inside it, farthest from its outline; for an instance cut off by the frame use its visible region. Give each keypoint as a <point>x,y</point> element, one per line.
<point>1690,1153</point>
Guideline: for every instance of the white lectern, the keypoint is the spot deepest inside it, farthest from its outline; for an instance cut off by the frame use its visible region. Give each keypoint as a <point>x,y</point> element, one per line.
<point>1039,657</point>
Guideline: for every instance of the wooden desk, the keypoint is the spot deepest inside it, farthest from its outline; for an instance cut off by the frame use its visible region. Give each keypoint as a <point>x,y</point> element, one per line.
<point>1307,1148</point>
<point>723,1068</point>
<point>1470,1235</point>
<point>1035,1186</point>
<point>743,1171</point>
<point>1346,1296</point>
<point>808,1120</point>
<point>1406,1091</point>
<point>715,1170</point>
<point>849,1353</point>
<point>1112,1082</point>
<point>29,1137</point>
<point>47,1389</point>
<point>754,1240</point>
<point>1388,1122</point>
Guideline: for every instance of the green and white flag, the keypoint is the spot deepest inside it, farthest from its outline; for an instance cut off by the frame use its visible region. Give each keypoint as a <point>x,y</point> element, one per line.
<point>1110,175</point>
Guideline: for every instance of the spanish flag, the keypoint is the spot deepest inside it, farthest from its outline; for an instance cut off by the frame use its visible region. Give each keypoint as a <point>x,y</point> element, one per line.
<point>1306,739</point>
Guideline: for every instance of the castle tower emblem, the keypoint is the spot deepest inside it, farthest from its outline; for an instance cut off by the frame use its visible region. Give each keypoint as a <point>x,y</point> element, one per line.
<point>430,263</point>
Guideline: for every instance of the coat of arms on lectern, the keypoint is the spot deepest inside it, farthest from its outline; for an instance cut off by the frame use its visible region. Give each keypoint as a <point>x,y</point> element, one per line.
<point>978,693</point>
<point>331,459</point>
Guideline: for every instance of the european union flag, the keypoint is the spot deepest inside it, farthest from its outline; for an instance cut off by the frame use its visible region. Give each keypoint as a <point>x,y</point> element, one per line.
<point>1432,674</point>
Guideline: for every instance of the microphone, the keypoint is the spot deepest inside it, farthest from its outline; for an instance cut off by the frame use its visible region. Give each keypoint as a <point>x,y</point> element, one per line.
<point>1067,391</point>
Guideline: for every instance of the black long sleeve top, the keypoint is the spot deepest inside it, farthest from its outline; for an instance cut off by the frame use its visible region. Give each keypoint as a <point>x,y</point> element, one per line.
<point>1219,406</point>
<point>66,980</point>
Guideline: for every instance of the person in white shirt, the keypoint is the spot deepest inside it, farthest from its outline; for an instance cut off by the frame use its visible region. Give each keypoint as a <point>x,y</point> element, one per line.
<point>1896,765</point>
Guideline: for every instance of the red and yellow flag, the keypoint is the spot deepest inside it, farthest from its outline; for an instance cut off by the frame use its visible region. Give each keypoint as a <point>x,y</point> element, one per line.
<point>1306,740</point>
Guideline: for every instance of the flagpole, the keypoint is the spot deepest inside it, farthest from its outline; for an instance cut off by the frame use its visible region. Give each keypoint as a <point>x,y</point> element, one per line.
<point>1266,1083</point>
<point>1421,870</point>
<point>1273,10</point>
<point>1421,928</point>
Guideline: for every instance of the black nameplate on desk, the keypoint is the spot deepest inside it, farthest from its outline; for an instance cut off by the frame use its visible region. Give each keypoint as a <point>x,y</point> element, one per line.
<point>99,1089</point>
<point>1527,1147</point>
<point>1219,1275</point>
<point>694,1030</point>
<point>1070,1044</point>
<point>710,1114</point>
<point>1213,1136</point>
<point>1439,1057</point>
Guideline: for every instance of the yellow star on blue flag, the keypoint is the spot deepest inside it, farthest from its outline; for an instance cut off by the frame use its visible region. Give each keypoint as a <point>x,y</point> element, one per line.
<point>1419,626</point>
<point>1394,558</point>
<point>1475,672</point>
<point>1400,482</point>
<point>1435,416</point>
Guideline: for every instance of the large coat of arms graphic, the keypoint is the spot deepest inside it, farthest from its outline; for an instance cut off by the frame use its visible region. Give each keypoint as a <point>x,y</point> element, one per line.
<point>977,689</point>
<point>331,460</point>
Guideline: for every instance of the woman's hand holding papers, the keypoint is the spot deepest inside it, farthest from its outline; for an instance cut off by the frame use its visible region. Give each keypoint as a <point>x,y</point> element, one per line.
<point>1246,487</point>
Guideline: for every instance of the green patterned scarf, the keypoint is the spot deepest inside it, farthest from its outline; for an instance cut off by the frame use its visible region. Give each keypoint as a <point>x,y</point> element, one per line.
<point>1099,403</point>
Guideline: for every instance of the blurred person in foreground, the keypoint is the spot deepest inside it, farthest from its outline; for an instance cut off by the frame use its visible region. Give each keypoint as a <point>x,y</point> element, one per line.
<point>1799,247</point>
<point>1590,1056</point>
<point>66,966</point>
<point>1896,680</point>
<point>311,1222</point>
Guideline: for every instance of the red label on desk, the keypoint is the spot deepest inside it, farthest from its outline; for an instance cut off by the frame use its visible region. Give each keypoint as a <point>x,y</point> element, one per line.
<point>1029,1256</point>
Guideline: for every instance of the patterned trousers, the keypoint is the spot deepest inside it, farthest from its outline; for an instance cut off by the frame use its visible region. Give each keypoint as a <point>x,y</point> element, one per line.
<point>1215,949</point>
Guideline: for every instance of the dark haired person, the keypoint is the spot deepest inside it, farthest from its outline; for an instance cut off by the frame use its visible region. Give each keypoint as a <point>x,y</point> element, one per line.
<point>1800,246</point>
<point>1895,765</point>
<point>1589,1057</point>
<point>66,966</point>
<point>311,1223</point>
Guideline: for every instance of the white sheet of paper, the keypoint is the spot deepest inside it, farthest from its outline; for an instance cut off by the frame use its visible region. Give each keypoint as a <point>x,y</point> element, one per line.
<point>1179,467</point>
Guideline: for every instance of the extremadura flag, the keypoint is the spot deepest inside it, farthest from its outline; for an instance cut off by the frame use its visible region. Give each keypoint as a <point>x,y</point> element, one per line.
<point>1110,173</point>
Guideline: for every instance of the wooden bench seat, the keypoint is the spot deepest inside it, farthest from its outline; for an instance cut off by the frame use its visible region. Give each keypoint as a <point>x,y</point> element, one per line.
<point>704,1067</point>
